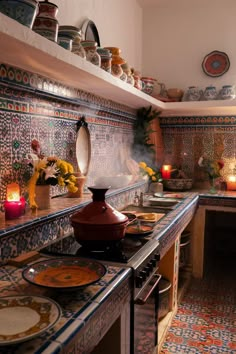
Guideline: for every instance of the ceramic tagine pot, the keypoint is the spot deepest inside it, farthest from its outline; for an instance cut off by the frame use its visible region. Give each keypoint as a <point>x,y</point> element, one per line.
<point>98,224</point>
<point>45,22</point>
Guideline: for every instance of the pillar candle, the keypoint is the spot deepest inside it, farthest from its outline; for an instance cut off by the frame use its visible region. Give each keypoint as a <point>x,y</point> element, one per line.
<point>165,171</point>
<point>14,205</point>
<point>231,183</point>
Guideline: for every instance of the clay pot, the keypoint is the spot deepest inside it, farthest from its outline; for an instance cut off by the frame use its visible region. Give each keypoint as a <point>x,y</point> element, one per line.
<point>98,223</point>
<point>92,56</point>
<point>47,9</point>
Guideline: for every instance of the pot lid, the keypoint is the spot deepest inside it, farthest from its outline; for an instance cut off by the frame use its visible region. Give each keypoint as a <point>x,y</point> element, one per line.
<point>83,147</point>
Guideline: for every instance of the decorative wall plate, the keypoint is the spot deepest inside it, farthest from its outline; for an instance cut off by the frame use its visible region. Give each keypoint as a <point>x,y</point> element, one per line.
<point>215,63</point>
<point>64,273</point>
<point>24,317</point>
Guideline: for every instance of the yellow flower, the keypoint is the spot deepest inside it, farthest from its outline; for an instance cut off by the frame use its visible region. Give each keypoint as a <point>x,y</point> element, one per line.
<point>142,165</point>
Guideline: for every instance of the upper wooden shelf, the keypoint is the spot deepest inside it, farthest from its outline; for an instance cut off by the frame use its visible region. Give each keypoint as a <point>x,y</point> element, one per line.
<point>23,48</point>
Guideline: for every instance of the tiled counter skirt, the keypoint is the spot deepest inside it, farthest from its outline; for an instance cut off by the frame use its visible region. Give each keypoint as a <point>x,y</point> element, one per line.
<point>87,314</point>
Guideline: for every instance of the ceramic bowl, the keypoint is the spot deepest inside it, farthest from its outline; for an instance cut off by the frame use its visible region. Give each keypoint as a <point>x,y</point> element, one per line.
<point>22,11</point>
<point>47,9</point>
<point>180,184</point>
<point>175,93</point>
<point>114,50</point>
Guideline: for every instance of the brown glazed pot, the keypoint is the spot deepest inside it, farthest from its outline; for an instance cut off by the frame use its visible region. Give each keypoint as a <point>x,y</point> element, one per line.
<point>98,223</point>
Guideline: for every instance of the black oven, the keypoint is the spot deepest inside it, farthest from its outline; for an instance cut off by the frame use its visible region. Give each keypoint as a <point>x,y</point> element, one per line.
<point>144,322</point>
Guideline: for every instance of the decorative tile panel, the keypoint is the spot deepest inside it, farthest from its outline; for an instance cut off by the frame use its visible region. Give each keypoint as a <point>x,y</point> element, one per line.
<point>186,139</point>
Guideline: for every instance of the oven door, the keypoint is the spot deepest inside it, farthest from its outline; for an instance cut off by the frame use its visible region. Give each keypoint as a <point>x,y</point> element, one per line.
<point>145,318</point>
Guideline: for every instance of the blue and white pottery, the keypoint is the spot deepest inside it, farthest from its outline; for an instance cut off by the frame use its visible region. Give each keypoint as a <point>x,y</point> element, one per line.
<point>23,11</point>
<point>227,92</point>
<point>210,93</point>
<point>193,94</point>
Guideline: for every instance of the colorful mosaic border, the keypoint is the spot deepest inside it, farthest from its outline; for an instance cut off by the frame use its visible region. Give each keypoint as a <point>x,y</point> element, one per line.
<point>31,81</point>
<point>208,120</point>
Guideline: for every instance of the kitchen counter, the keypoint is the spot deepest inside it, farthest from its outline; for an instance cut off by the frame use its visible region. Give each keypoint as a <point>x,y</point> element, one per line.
<point>87,314</point>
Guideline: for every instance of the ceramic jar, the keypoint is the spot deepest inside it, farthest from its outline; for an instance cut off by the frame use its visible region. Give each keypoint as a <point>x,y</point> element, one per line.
<point>23,11</point>
<point>45,22</point>
<point>90,48</point>
<point>148,85</point>
<point>116,62</point>
<point>137,80</point>
<point>210,93</point>
<point>105,55</point>
<point>127,71</point>
<point>193,94</point>
<point>227,92</point>
<point>66,35</point>
<point>77,47</point>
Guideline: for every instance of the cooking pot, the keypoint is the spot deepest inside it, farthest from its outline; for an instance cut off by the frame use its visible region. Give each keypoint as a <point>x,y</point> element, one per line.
<point>98,224</point>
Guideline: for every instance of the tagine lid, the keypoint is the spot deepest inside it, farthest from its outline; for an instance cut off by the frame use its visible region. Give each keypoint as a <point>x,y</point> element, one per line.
<point>99,212</point>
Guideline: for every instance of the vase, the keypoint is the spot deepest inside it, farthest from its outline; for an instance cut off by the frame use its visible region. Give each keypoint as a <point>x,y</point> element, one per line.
<point>42,196</point>
<point>79,183</point>
<point>212,189</point>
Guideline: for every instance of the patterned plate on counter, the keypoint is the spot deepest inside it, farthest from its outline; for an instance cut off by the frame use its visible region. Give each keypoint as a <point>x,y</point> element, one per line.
<point>64,273</point>
<point>24,317</point>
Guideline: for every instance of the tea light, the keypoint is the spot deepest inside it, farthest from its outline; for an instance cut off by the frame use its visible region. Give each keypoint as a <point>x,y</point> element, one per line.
<point>231,183</point>
<point>14,204</point>
<point>166,171</point>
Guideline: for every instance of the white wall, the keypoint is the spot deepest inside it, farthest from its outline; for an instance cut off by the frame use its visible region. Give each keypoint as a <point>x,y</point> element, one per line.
<point>178,34</point>
<point>119,23</point>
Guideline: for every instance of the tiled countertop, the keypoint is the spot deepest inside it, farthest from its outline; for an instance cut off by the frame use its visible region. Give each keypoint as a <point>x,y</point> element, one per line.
<point>77,308</point>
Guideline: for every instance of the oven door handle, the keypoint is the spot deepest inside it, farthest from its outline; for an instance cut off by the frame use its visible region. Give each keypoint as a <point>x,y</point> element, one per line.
<point>141,301</point>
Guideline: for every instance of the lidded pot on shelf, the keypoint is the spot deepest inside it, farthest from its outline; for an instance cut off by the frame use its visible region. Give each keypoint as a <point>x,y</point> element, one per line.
<point>45,22</point>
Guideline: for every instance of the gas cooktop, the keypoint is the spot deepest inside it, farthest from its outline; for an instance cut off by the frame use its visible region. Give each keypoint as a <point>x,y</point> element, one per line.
<point>122,251</point>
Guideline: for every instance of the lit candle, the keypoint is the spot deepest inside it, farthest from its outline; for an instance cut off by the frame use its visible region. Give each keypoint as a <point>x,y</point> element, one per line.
<point>14,204</point>
<point>231,183</point>
<point>166,171</point>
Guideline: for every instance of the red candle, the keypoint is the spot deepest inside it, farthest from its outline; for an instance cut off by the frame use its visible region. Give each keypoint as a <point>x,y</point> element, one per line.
<point>13,210</point>
<point>166,171</point>
<point>14,205</point>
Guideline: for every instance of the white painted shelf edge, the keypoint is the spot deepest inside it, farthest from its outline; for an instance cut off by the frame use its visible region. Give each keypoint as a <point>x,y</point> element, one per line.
<point>23,48</point>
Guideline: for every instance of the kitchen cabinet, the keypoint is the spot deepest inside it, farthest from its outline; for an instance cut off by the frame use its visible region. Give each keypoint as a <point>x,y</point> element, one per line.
<point>21,47</point>
<point>199,233</point>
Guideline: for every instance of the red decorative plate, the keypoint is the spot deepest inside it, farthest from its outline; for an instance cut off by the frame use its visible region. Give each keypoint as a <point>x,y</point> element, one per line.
<point>215,63</point>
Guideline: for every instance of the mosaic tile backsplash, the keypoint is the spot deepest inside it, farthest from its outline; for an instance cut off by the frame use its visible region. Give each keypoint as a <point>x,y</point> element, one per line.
<point>32,107</point>
<point>186,139</point>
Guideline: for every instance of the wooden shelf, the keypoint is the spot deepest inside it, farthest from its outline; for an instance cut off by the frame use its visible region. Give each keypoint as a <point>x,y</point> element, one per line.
<point>22,47</point>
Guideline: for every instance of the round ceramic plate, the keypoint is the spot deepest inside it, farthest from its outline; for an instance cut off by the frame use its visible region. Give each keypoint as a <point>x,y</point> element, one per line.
<point>138,230</point>
<point>216,63</point>
<point>64,273</point>
<point>24,317</point>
